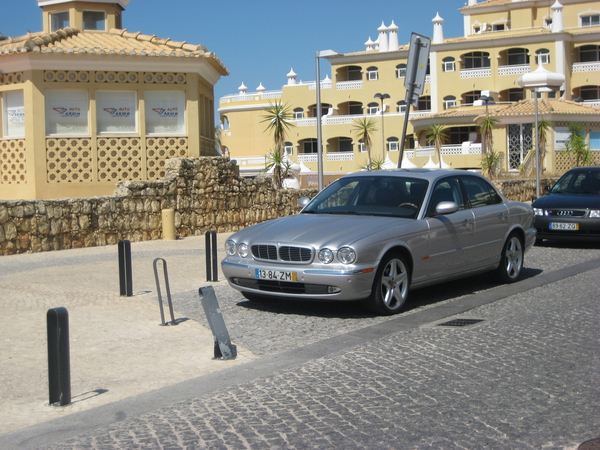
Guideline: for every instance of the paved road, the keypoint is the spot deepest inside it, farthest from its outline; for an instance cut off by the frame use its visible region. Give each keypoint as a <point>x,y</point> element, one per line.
<point>331,376</point>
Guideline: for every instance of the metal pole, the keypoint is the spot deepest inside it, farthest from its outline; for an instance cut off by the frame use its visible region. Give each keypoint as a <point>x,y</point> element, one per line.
<point>382,132</point>
<point>537,147</point>
<point>125,271</point>
<point>319,125</point>
<point>409,94</point>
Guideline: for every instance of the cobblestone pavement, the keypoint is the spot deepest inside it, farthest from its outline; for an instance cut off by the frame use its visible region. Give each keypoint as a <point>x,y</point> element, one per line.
<point>330,376</point>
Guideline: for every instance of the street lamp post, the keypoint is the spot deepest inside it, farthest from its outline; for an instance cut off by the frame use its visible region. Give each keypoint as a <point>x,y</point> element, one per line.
<point>382,97</point>
<point>318,56</point>
<point>540,80</point>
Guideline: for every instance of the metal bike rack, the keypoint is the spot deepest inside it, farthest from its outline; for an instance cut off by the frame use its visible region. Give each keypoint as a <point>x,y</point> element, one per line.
<point>212,273</point>
<point>223,348</point>
<point>158,290</point>
<point>59,360</point>
<point>125,279</point>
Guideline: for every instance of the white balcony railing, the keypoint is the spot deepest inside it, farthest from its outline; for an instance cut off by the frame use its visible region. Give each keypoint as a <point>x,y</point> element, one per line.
<point>340,156</point>
<point>476,73</point>
<point>514,70</point>
<point>466,148</point>
<point>347,85</point>
<point>586,67</point>
<point>327,84</point>
<point>250,97</point>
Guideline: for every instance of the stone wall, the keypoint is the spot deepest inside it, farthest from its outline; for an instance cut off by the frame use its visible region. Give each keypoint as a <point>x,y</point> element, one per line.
<point>522,190</point>
<point>205,193</point>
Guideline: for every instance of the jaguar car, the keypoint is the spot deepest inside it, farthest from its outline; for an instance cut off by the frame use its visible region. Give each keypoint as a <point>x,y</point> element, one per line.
<point>373,236</point>
<point>571,209</point>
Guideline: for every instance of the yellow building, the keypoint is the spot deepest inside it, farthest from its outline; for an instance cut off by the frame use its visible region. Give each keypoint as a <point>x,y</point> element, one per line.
<point>86,103</point>
<point>503,40</point>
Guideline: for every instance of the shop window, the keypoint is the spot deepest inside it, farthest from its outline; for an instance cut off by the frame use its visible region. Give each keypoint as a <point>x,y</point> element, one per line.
<point>66,112</point>
<point>116,112</point>
<point>165,112</point>
<point>13,114</point>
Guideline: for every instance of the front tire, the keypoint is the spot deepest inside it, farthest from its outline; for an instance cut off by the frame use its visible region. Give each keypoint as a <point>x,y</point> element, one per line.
<point>391,285</point>
<point>511,261</point>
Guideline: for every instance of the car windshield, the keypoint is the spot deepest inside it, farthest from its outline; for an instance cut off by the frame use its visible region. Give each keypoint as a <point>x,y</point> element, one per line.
<point>373,196</point>
<point>578,182</point>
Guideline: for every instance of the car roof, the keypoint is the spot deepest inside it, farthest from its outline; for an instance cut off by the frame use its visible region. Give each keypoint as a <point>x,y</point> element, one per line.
<point>424,174</point>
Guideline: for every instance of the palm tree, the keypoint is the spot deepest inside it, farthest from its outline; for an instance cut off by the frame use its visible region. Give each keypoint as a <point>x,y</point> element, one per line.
<point>489,159</point>
<point>576,145</point>
<point>278,118</point>
<point>363,128</point>
<point>437,135</point>
<point>543,127</point>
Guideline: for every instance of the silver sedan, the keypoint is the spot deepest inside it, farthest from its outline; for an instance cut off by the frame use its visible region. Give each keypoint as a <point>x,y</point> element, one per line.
<point>372,236</point>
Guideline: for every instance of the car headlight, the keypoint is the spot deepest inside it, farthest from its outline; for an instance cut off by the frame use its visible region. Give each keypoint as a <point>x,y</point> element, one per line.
<point>325,255</point>
<point>346,255</point>
<point>243,250</point>
<point>538,211</point>
<point>230,248</point>
<point>594,214</point>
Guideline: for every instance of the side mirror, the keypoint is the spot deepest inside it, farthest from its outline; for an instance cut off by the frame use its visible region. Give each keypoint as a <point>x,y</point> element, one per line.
<point>547,188</point>
<point>444,208</point>
<point>303,201</point>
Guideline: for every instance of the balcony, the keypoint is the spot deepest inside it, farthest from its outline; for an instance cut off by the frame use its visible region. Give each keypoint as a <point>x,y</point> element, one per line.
<point>514,69</point>
<point>586,67</point>
<point>476,73</point>
<point>250,97</point>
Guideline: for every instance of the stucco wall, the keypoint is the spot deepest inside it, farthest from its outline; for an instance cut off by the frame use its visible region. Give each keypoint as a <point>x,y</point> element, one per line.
<point>205,193</point>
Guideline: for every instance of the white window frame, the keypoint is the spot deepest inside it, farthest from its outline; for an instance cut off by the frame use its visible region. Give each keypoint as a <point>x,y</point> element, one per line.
<point>402,108</point>
<point>56,14</point>
<point>13,114</point>
<point>449,66</point>
<point>543,58</point>
<point>393,146</point>
<point>288,150</point>
<point>174,106</point>
<point>401,72</point>
<point>361,147</point>
<point>298,115</point>
<point>116,112</point>
<point>67,112</point>
<point>449,104</point>
<point>373,110</point>
<point>589,15</point>
<point>372,75</point>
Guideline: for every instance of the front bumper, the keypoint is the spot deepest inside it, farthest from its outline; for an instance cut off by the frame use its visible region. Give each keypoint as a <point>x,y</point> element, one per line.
<point>588,229</point>
<point>313,282</point>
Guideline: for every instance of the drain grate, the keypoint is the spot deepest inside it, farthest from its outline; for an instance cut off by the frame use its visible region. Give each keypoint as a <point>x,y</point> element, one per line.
<point>460,322</point>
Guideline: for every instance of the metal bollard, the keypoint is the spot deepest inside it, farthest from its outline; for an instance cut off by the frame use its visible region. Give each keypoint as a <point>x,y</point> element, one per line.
<point>212,273</point>
<point>223,348</point>
<point>125,279</point>
<point>160,302</point>
<point>59,361</point>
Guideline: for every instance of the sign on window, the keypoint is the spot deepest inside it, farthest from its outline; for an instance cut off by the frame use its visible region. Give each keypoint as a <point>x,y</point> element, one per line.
<point>13,114</point>
<point>67,112</point>
<point>165,112</point>
<point>116,111</point>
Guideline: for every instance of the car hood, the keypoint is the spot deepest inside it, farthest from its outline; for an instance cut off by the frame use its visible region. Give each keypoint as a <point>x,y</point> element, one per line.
<point>568,201</point>
<point>320,229</point>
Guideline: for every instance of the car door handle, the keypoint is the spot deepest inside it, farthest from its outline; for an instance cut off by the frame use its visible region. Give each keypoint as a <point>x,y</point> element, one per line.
<point>503,216</point>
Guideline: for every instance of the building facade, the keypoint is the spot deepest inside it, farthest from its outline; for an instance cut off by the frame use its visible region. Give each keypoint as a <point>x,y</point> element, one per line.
<point>86,103</point>
<point>503,39</point>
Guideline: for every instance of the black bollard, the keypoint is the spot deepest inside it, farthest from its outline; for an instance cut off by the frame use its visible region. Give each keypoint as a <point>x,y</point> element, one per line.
<point>212,273</point>
<point>59,361</point>
<point>223,347</point>
<point>125,278</point>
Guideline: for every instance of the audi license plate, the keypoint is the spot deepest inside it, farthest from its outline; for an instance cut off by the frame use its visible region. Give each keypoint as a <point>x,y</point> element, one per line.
<point>278,275</point>
<point>564,226</point>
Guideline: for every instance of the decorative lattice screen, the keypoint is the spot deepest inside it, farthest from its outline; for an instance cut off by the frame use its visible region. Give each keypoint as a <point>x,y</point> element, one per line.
<point>159,149</point>
<point>68,160</point>
<point>12,162</point>
<point>11,78</point>
<point>119,159</point>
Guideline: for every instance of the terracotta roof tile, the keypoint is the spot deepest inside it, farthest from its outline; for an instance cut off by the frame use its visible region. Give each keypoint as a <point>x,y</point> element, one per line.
<point>71,40</point>
<point>547,106</point>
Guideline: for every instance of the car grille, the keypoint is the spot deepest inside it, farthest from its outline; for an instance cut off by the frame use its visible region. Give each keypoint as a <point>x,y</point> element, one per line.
<point>566,212</point>
<point>282,287</point>
<point>283,253</point>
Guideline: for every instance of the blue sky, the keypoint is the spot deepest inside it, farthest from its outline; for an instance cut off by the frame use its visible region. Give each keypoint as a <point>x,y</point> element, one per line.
<point>261,40</point>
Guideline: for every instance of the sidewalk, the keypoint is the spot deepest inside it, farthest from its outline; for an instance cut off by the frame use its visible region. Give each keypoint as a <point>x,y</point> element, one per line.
<point>118,348</point>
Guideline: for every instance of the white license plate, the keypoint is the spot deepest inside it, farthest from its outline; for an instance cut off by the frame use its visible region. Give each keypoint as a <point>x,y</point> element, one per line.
<point>564,226</point>
<point>278,275</point>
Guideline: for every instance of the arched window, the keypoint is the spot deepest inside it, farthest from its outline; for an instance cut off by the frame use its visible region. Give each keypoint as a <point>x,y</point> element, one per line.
<point>448,64</point>
<point>309,145</point>
<point>449,101</point>
<point>288,148</point>
<point>325,107</point>
<point>355,108</point>
<point>517,56</point>
<point>476,60</point>
<point>589,53</point>
<point>298,113</point>
<point>542,56</point>
<point>470,97</point>
<point>372,73</point>
<point>401,71</point>
<point>516,94</point>
<point>424,103</point>
<point>373,108</point>
<point>588,93</point>
<point>393,144</point>
<point>401,106</point>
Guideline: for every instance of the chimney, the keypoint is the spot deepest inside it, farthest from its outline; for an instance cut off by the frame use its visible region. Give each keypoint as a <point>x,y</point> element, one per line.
<point>438,29</point>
